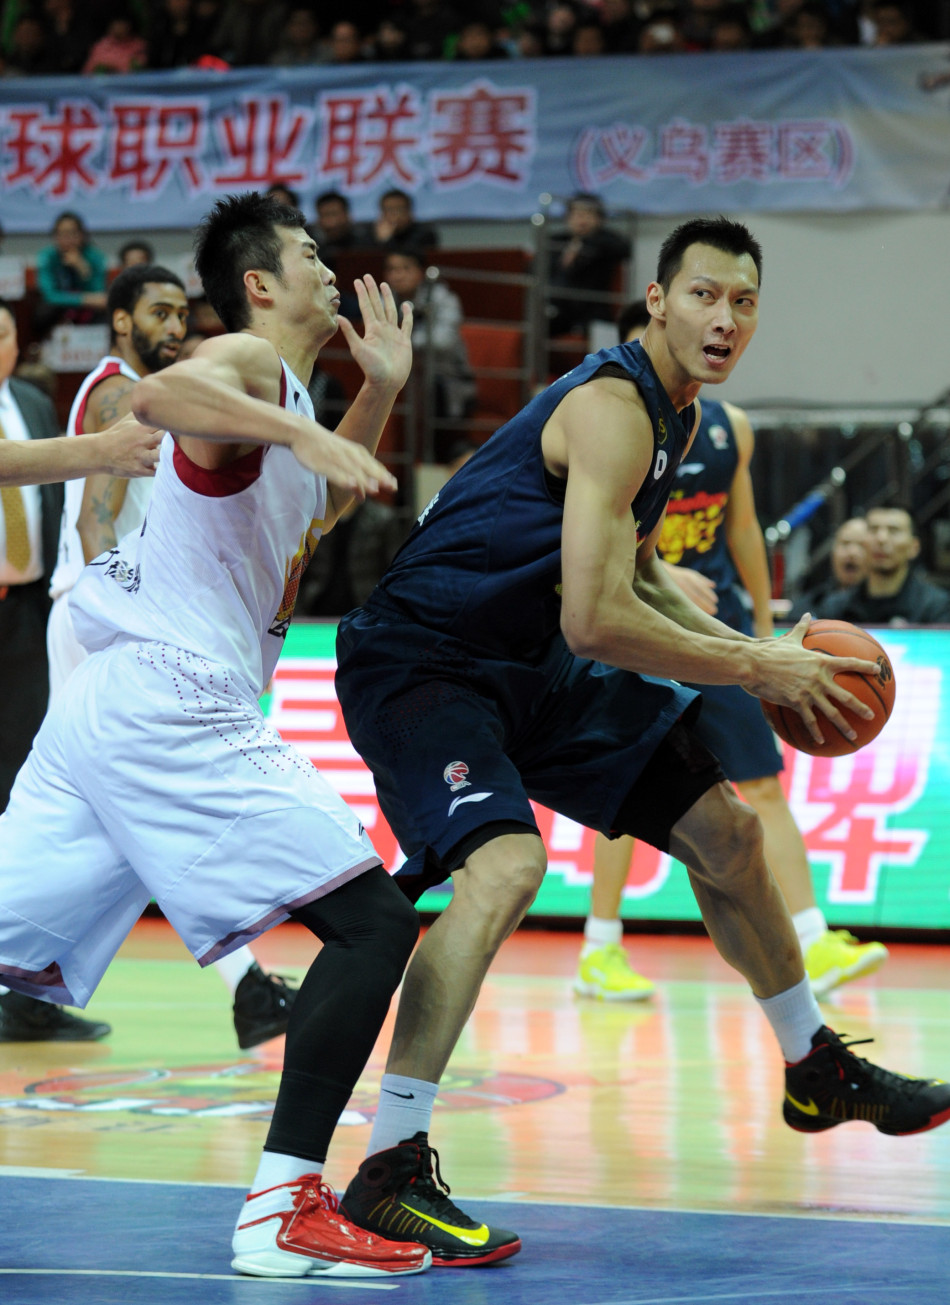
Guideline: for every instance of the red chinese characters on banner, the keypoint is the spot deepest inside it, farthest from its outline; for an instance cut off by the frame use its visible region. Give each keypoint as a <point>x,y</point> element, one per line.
<point>370,134</point>
<point>601,156</point>
<point>150,140</point>
<point>52,151</point>
<point>262,140</point>
<point>683,151</point>
<point>743,151</point>
<point>482,133</point>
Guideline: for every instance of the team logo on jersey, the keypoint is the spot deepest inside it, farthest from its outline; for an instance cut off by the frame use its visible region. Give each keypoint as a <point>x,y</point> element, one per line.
<point>428,508</point>
<point>293,571</point>
<point>719,437</point>
<point>454,775</point>
<point>661,431</point>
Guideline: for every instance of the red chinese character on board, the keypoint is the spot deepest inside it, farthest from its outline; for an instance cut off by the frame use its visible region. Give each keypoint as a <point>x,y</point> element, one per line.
<point>51,150</point>
<point>150,140</point>
<point>683,152</point>
<point>601,154</point>
<point>261,141</point>
<point>812,151</point>
<point>367,134</point>
<point>483,133</point>
<point>742,151</point>
<point>852,825</point>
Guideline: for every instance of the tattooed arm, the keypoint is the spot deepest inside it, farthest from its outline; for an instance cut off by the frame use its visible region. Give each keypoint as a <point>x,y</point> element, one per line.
<point>103,495</point>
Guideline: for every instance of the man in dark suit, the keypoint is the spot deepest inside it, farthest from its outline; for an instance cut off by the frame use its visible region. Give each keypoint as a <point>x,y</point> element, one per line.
<point>29,533</point>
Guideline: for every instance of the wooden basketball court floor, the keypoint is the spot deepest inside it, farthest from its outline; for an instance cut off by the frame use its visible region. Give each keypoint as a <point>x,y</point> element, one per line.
<point>638,1150</point>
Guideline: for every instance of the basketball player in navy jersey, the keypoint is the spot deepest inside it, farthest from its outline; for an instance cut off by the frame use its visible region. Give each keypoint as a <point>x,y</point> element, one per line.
<point>712,540</point>
<point>193,800</point>
<point>509,654</point>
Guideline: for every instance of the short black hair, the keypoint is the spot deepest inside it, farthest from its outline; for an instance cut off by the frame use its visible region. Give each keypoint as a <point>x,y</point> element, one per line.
<point>412,252</point>
<point>396,193</point>
<point>68,215</point>
<point>332,197</point>
<point>240,233</point>
<point>634,315</point>
<point>892,505</point>
<point>285,190</point>
<point>137,244</point>
<point>126,290</point>
<point>720,232</point>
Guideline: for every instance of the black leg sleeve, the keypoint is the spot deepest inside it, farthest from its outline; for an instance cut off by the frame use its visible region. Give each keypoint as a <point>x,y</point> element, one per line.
<point>368,930</point>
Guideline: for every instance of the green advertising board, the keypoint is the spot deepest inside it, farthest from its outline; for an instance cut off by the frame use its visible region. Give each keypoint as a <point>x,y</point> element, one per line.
<point>876,823</point>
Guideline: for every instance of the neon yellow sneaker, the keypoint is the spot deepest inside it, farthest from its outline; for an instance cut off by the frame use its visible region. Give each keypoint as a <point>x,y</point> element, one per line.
<point>837,957</point>
<point>606,973</point>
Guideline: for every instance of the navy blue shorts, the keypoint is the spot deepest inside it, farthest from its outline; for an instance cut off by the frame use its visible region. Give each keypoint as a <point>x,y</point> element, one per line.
<point>731,723</point>
<point>457,742</point>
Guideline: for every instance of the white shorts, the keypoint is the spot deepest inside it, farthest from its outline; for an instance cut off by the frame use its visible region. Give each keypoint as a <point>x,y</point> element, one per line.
<point>63,649</point>
<point>156,776</point>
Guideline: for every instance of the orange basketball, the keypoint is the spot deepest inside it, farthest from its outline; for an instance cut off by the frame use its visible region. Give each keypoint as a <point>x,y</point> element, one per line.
<point>841,639</point>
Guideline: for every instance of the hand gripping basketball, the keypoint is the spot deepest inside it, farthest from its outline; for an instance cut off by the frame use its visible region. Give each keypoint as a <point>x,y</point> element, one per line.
<point>841,639</point>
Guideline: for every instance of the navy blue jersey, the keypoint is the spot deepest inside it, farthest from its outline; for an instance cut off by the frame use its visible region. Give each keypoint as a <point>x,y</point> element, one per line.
<point>483,563</point>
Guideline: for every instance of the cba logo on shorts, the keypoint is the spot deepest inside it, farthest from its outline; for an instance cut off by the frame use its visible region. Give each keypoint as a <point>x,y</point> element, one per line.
<point>454,775</point>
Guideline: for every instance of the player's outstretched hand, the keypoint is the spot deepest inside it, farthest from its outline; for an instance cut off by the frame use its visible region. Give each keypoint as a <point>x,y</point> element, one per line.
<point>129,449</point>
<point>793,676</point>
<point>384,350</point>
<point>344,463</point>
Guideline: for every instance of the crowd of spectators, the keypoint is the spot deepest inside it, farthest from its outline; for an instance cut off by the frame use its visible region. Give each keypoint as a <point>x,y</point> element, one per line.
<point>42,37</point>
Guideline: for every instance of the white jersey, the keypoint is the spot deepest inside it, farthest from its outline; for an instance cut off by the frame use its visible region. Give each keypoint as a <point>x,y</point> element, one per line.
<point>216,566</point>
<point>69,559</point>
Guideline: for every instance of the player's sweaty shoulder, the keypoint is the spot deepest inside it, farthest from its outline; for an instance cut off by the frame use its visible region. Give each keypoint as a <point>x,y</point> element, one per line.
<point>247,362</point>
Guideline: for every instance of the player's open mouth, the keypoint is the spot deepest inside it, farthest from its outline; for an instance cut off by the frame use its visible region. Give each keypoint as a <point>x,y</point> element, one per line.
<point>717,353</point>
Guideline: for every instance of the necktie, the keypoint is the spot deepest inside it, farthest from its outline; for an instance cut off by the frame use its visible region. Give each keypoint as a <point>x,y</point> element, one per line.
<point>14,520</point>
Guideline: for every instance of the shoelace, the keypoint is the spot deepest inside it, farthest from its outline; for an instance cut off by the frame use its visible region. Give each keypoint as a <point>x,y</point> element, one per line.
<point>432,1183</point>
<point>318,1195</point>
<point>865,1072</point>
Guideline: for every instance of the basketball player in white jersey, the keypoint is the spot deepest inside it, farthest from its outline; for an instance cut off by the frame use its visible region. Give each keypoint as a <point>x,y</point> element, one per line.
<point>192,799</point>
<point>148,315</point>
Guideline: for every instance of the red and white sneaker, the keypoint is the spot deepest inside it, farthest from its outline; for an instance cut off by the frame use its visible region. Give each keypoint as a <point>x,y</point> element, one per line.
<point>295,1229</point>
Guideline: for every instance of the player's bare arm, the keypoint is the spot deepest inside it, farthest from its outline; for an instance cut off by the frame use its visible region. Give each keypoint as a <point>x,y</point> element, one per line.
<point>225,400</point>
<point>128,449</point>
<point>601,436</point>
<point>103,495</point>
<point>384,353</point>
<point>744,537</point>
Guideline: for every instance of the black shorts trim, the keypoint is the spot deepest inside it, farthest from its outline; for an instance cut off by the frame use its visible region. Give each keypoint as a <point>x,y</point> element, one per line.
<point>680,771</point>
<point>435,870</point>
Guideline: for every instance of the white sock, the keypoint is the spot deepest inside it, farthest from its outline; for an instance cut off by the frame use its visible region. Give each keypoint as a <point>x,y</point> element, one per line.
<point>234,966</point>
<point>405,1108</point>
<point>809,924</point>
<point>795,1018</point>
<point>600,933</point>
<point>275,1168</point>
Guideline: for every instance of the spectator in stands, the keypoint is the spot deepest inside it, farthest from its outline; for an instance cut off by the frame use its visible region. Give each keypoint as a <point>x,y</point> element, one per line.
<point>429,27</point>
<point>248,31</point>
<point>620,26</point>
<point>396,226</point>
<point>134,252</point>
<point>70,276</point>
<point>122,49</point>
<point>69,34</point>
<point>588,39</point>
<point>335,231</point>
<point>389,43</point>
<point>661,34</point>
<point>441,359</point>
<point>282,194</point>
<point>810,28</point>
<point>560,20</point>
<point>698,18</point>
<point>583,257</point>
<point>345,44</point>
<point>29,53</point>
<point>849,566</point>
<point>893,24</point>
<point>476,40</point>
<point>299,41</point>
<point>895,591</point>
<point>731,31</point>
<point>179,34</point>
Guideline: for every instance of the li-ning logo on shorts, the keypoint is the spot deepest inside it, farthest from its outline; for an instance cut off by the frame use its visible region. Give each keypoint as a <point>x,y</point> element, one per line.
<point>454,775</point>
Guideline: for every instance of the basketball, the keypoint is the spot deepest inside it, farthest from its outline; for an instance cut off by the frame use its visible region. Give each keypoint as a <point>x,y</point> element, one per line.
<point>841,639</point>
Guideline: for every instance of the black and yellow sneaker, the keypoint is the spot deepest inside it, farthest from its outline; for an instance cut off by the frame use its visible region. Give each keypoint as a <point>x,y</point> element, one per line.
<point>832,1085</point>
<point>400,1194</point>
